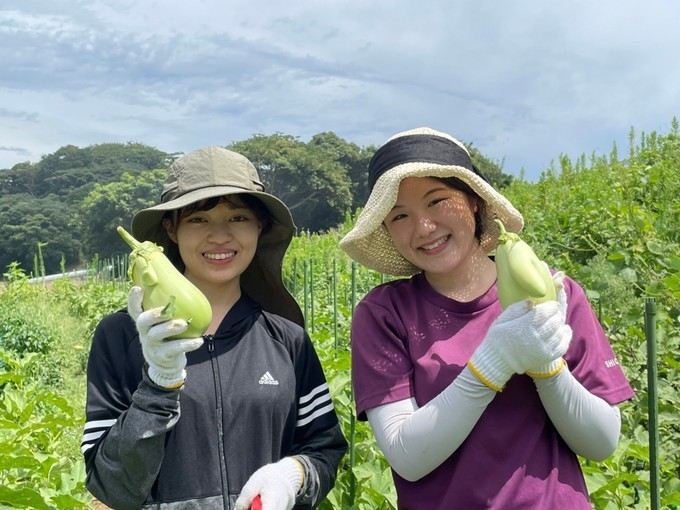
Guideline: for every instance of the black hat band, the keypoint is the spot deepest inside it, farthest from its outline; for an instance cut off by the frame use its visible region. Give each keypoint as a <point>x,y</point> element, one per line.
<point>418,149</point>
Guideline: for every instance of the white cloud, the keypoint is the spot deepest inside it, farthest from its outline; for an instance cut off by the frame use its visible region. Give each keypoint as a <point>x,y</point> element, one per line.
<point>523,81</point>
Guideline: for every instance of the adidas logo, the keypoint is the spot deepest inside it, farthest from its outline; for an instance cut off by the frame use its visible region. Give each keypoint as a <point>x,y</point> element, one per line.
<point>268,379</point>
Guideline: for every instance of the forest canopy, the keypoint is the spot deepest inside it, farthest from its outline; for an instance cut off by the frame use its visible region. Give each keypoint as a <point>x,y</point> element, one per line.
<point>70,202</point>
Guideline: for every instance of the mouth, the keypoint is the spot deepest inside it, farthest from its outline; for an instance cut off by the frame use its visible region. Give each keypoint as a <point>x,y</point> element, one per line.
<point>219,256</point>
<point>435,244</point>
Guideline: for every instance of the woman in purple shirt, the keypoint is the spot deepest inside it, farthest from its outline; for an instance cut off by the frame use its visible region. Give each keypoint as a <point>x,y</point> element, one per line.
<point>472,406</point>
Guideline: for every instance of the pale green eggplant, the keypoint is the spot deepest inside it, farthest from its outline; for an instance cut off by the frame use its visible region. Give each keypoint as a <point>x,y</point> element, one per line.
<point>521,274</point>
<point>164,286</point>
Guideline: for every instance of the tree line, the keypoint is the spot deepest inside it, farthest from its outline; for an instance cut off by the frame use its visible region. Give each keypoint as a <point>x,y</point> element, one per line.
<point>64,209</point>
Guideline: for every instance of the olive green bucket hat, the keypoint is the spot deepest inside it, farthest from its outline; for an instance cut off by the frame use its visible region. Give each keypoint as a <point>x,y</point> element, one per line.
<point>214,172</point>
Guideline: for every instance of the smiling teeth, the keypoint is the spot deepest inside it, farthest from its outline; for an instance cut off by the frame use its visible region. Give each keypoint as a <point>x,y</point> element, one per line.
<point>218,256</point>
<point>435,244</point>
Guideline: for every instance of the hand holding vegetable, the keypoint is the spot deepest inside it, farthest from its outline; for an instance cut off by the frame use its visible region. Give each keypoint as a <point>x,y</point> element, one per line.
<point>525,336</point>
<point>552,368</point>
<point>167,359</point>
<point>277,485</point>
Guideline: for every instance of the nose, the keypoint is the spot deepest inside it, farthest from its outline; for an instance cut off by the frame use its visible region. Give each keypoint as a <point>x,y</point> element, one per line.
<point>425,225</point>
<point>220,232</point>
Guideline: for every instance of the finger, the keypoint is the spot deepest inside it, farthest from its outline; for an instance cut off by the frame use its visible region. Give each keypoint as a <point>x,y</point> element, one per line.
<point>565,339</point>
<point>183,345</point>
<point>562,302</point>
<point>166,329</point>
<point>242,503</point>
<point>547,308</point>
<point>273,498</point>
<point>515,310</point>
<point>547,319</point>
<point>246,497</point>
<point>191,344</point>
<point>173,348</point>
<point>135,298</point>
<point>559,343</point>
<point>152,317</point>
<point>562,298</point>
<point>558,280</point>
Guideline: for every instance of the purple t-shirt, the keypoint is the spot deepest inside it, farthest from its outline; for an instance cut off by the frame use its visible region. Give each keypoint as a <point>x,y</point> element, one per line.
<point>410,341</point>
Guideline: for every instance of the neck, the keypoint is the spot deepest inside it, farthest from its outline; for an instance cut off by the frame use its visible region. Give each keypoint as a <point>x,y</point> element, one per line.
<point>468,281</point>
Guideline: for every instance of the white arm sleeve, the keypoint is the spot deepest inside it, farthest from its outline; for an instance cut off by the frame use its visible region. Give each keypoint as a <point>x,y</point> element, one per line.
<point>588,424</point>
<point>417,440</point>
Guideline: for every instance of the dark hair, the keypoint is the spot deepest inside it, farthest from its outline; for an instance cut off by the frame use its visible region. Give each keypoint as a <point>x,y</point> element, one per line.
<point>480,213</point>
<point>246,200</point>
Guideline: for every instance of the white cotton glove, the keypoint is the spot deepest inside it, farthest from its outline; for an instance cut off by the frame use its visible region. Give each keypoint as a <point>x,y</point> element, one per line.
<point>277,484</point>
<point>166,358</point>
<point>556,365</point>
<point>523,337</point>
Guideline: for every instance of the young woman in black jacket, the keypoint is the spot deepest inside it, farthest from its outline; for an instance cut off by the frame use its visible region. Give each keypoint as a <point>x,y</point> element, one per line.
<point>245,410</point>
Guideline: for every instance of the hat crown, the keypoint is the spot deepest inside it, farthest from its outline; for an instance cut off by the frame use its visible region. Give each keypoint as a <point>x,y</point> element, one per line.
<point>209,167</point>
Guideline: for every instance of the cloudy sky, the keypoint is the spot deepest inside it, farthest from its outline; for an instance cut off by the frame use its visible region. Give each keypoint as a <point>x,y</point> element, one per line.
<point>523,80</point>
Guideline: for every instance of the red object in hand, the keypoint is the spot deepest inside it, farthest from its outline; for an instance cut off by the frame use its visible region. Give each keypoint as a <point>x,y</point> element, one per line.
<point>256,504</point>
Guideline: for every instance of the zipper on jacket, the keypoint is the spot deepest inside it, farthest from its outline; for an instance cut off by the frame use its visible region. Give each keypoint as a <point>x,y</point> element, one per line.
<point>218,413</point>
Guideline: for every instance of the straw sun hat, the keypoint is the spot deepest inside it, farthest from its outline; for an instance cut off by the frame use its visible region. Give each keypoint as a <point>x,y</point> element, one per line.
<point>421,152</point>
<point>214,172</point>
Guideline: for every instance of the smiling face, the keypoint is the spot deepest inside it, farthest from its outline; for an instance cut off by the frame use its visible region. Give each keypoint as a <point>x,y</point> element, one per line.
<point>432,226</point>
<point>218,243</point>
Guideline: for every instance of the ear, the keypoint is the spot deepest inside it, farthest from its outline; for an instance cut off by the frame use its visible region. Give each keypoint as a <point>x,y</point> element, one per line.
<point>474,203</point>
<point>170,230</point>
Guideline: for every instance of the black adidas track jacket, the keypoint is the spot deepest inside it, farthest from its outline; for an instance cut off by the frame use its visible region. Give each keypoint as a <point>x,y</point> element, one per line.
<point>255,392</point>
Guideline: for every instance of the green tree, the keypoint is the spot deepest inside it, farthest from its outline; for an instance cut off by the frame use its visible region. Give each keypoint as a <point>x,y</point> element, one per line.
<point>353,158</point>
<point>26,221</point>
<point>19,179</point>
<point>45,202</point>
<point>110,205</point>
<point>491,169</point>
<point>315,187</point>
<point>71,168</point>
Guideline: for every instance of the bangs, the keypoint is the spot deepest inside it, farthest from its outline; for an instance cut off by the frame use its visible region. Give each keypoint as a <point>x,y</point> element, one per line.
<point>235,201</point>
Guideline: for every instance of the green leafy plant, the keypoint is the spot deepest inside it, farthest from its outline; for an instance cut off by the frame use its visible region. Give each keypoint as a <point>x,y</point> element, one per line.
<point>33,471</point>
<point>610,224</point>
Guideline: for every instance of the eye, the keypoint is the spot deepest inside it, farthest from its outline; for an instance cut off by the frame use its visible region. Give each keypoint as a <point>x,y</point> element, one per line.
<point>238,217</point>
<point>436,201</point>
<point>397,217</point>
<point>194,219</point>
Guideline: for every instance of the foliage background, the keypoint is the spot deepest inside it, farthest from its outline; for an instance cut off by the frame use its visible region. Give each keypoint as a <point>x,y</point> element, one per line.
<point>610,221</point>
<point>75,198</point>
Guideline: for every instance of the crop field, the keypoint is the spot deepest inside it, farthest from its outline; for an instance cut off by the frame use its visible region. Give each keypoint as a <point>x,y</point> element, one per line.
<point>610,223</point>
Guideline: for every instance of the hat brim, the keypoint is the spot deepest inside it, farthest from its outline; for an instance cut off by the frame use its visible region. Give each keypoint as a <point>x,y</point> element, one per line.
<point>369,242</point>
<point>147,222</point>
<point>262,280</point>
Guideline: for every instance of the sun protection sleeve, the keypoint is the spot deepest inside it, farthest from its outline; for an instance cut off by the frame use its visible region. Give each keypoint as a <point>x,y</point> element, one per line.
<point>416,440</point>
<point>589,425</point>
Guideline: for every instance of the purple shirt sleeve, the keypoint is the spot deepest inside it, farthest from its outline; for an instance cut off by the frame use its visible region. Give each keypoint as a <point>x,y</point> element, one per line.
<point>382,369</point>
